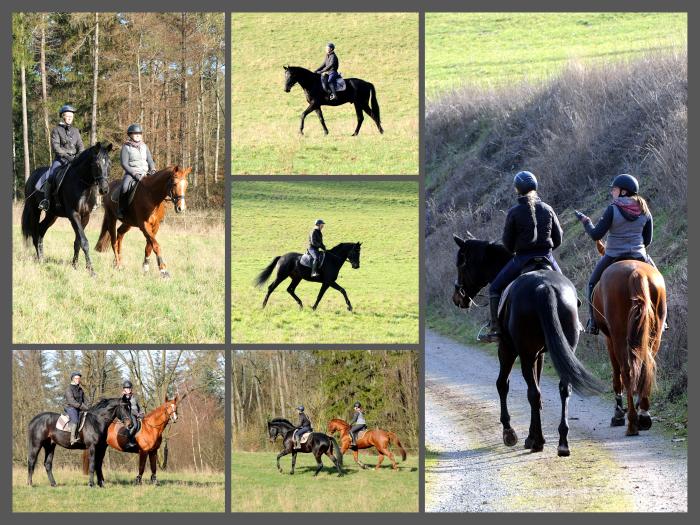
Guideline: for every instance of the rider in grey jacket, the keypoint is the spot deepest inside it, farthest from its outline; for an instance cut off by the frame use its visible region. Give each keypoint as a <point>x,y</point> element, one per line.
<point>137,162</point>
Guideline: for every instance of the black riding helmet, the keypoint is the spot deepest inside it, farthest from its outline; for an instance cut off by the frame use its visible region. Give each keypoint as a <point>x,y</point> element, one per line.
<point>330,45</point>
<point>75,373</point>
<point>300,408</point>
<point>134,128</point>
<point>66,108</point>
<point>626,182</point>
<point>524,182</point>
<point>357,405</point>
<point>127,384</point>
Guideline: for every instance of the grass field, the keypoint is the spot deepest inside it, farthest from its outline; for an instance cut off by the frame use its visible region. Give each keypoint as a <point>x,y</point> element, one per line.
<point>272,218</point>
<point>499,48</point>
<point>53,303</point>
<point>381,48</point>
<point>257,486</point>
<point>177,492</point>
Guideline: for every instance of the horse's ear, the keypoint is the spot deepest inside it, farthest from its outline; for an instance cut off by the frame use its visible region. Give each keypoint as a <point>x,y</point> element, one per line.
<point>286,67</point>
<point>176,168</point>
<point>460,242</point>
<point>109,147</point>
<point>469,235</point>
<point>98,145</point>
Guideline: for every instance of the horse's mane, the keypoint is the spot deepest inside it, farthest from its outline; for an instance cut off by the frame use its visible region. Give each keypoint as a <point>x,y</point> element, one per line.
<point>338,420</point>
<point>301,69</point>
<point>86,154</point>
<point>282,421</point>
<point>103,403</point>
<point>342,245</point>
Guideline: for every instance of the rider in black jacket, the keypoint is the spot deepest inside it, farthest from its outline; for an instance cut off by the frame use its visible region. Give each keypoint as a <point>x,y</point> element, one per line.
<point>329,70</point>
<point>316,244</point>
<point>303,427</point>
<point>74,403</point>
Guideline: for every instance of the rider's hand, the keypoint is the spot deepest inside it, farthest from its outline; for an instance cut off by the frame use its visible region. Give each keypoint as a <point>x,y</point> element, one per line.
<point>581,216</point>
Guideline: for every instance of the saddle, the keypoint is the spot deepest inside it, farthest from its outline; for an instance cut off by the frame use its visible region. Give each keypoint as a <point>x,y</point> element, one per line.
<point>629,257</point>
<point>304,438</point>
<point>360,434</point>
<point>63,421</point>
<point>114,196</point>
<point>58,177</point>
<point>305,260</point>
<point>339,83</point>
<point>534,264</point>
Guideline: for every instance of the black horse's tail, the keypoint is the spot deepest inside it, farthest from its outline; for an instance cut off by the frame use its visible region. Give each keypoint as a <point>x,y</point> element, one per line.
<point>569,368</point>
<point>28,220</point>
<point>374,103</point>
<point>265,274</point>
<point>336,451</point>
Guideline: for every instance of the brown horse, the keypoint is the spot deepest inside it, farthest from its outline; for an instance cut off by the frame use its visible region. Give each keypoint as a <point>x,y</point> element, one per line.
<point>380,439</point>
<point>630,309</point>
<point>145,212</point>
<point>148,438</point>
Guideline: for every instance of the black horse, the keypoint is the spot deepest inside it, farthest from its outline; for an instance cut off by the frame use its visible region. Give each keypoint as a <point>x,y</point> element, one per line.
<point>42,433</point>
<point>288,266</point>
<point>317,444</point>
<point>540,315</point>
<point>75,199</point>
<point>360,92</point>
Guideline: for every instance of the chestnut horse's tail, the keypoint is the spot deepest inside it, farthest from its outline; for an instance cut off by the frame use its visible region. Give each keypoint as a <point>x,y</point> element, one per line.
<point>641,324</point>
<point>394,439</point>
<point>105,241</point>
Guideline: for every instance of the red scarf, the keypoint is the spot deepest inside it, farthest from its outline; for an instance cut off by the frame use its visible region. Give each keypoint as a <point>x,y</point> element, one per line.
<point>629,206</point>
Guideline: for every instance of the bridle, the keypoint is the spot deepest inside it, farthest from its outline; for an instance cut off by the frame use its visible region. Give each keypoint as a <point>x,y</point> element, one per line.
<point>170,416</point>
<point>175,198</point>
<point>101,177</point>
<point>459,285</point>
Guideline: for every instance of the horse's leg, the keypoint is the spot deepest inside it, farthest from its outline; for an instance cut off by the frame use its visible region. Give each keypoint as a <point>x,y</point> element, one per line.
<point>274,284</point>
<point>323,289</point>
<point>380,459</point>
<point>323,122</point>
<point>644,402</point>
<point>506,360</point>
<point>360,118</point>
<point>146,256</point>
<point>294,462</point>
<point>356,457</point>
<point>369,111</point>
<point>49,448</point>
<point>535,439</point>
<point>618,418</point>
<point>308,110</point>
<point>335,461</point>
<point>80,241</point>
<point>283,453</point>
<point>41,229</point>
<point>121,231</point>
<point>91,466</point>
<point>150,236</point>
<point>32,455</point>
<point>391,457</point>
<point>292,287</point>
<point>564,394</point>
<point>142,466</point>
<point>336,286</point>
<point>99,459</point>
<point>319,463</point>
<point>153,457</point>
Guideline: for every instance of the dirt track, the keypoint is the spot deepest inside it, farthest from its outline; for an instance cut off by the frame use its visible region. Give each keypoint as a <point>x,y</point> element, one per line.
<point>476,472</point>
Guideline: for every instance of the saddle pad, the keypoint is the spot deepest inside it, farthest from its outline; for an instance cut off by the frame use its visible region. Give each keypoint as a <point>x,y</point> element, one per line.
<point>504,296</point>
<point>305,437</point>
<point>340,84</point>
<point>361,433</point>
<point>63,421</point>
<point>305,260</point>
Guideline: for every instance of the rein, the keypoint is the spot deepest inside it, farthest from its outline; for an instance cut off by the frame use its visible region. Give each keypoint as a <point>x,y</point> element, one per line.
<point>459,286</point>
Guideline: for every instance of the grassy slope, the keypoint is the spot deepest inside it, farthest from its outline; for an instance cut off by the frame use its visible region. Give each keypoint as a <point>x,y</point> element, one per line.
<point>178,492</point>
<point>498,48</point>
<point>380,48</point>
<point>53,303</point>
<point>275,218</point>
<point>258,487</point>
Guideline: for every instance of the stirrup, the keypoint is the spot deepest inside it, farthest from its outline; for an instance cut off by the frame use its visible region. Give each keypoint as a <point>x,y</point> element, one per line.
<point>44,205</point>
<point>493,336</point>
<point>592,328</point>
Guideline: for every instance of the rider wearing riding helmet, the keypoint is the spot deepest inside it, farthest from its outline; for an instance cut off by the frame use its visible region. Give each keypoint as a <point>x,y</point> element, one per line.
<point>630,228</point>
<point>532,230</point>
<point>66,143</point>
<point>303,427</point>
<point>316,244</point>
<point>329,70</point>
<point>74,402</point>
<point>135,413</point>
<point>137,162</point>
<point>358,422</point>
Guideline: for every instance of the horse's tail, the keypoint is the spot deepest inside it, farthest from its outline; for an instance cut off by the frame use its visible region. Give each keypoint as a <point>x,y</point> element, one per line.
<point>394,439</point>
<point>265,274</point>
<point>105,239</point>
<point>28,221</point>
<point>86,462</point>
<point>336,450</point>
<point>569,368</point>
<point>374,102</point>
<point>641,322</point>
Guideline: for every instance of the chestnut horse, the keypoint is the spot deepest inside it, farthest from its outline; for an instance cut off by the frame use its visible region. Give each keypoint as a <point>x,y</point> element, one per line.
<point>630,309</point>
<point>149,438</point>
<point>145,212</point>
<point>380,439</point>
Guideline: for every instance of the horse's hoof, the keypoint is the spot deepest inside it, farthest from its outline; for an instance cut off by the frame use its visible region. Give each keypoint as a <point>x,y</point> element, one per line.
<point>563,451</point>
<point>354,134</point>
<point>617,421</point>
<point>537,447</point>
<point>349,308</point>
<point>510,438</point>
<point>632,432</point>
<point>165,274</point>
<point>644,422</point>
<point>155,482</point>
<point>137,481</point>
<point>146,268</point>
<point>52,484</point>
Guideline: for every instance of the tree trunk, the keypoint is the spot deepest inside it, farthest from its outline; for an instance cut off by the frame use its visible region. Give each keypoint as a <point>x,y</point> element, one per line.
<point>138,78</point>
<point>183,90</point>
<point>218,120</point>
<point>197,130</point>
<point>25,125</point>
<point>95,75</point>
<point>44,97</point>
<point>166,96</point>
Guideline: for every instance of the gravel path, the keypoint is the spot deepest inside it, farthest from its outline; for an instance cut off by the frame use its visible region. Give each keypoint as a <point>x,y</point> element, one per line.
<point>475,472</point>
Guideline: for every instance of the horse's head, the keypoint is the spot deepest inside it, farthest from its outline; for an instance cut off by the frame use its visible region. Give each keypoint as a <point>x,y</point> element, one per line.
<point>100,165</point>
<point>273,431</point>
<point>354,255</point>
<point>178,187</point>
<point>289,78</point>
<point>123,411</point>
<point>169,407</point>
<point>473,264</point>
<point>334,425</point>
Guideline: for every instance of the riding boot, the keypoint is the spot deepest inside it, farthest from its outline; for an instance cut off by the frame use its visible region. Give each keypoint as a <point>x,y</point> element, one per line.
<point>331,85</point>
<point>314,268</point>
<point>591,327</point>
<point>121,209</point>
<point>494,330</point>
<point>353,437</point>
<point>73,433</point>
<point>324,83</point>
<point>46,201</point>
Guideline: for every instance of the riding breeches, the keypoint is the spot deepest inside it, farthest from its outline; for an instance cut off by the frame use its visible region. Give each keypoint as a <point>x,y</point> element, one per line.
<point>603,264</point>
<point>513,269</point>
<point>314,253</point>
<point>356,429</point>
<point>52,169</point>
<point>128,182</point>
<point>301,431</point>
<point>73,414</point>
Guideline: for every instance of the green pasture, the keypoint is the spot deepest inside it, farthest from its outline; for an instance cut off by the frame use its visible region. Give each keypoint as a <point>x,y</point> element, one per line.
<point>257,486</point>
<point>54,303</point>
<point>273,218</point>
<point>491,49</point>
<point>178,492</point>
<point>381,48</point>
